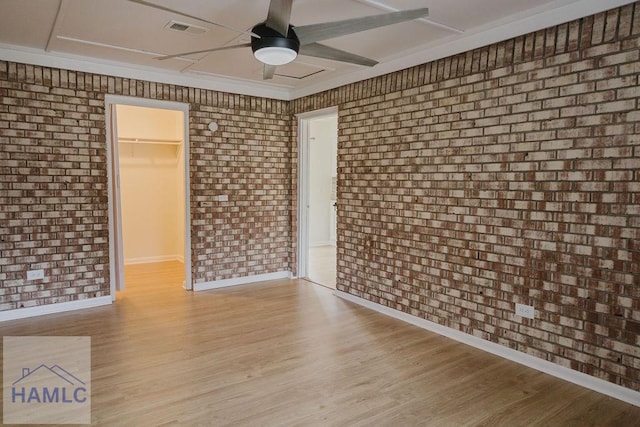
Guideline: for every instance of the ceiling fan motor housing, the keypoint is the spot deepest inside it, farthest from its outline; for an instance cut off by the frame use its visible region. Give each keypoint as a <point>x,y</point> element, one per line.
<point>272,38</point>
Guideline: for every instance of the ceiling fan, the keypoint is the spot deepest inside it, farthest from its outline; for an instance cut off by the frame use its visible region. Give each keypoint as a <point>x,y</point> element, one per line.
<point>277,42</point>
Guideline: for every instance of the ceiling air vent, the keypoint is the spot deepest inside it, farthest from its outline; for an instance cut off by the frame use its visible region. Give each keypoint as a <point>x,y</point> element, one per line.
<point>185,28</point>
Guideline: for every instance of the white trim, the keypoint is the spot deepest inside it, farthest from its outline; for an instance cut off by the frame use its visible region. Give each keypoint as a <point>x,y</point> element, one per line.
<point>152,259</point>
<point>318,114</point>
<point>40,310</point>
<point>384,7</point>
<point>116,272</point>
<point>186,147</point>
<point>146,102</point>
<point>62,7</point>
<point>110,225</point>
<point>303,197</point>
<point>318,244</point>
<point>165,105</point>
<point>126,49</point>
<point>584,380</point>
<point>241,281</point>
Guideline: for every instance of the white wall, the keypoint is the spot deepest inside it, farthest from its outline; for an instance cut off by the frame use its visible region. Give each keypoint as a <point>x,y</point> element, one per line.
<point>141,122</point>
<point>151,185</point>
<point>323,135</point>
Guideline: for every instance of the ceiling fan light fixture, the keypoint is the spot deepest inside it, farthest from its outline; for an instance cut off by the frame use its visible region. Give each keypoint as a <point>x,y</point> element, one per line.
<point>272,48</point>
<point>275,55</point>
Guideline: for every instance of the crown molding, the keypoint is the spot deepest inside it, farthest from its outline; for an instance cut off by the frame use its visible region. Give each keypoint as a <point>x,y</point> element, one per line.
<point>118,69</point>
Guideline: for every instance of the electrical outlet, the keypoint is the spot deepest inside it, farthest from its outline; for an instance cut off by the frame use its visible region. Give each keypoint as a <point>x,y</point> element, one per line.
<point>525,311</point>
<point>35,274</point>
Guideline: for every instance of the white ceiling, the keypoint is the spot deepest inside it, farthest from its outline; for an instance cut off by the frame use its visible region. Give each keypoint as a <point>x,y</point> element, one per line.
<point>119,37</point>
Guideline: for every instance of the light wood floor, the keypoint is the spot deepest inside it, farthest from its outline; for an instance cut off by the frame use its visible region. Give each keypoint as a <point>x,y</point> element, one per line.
<point>322,265</point>
<point>290,353</point>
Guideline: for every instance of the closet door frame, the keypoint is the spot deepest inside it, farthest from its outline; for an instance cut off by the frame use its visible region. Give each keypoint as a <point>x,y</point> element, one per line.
<point>115,227</point>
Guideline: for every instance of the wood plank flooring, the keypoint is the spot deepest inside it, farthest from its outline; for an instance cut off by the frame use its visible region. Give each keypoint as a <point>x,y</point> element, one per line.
<point>289,353</point>
<point>322,265</point>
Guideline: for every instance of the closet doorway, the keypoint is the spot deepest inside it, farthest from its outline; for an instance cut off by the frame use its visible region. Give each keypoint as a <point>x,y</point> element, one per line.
<point>148,181</point>
<point>318,196</point>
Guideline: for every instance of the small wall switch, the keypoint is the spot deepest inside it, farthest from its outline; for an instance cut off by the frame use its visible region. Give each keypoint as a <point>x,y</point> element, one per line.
<point>35,274</point>
<point>223,198</point>
<point>525,311</point>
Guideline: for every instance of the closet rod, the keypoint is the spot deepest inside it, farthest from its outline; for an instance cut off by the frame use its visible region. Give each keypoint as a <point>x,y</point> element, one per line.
<point>150,141</point>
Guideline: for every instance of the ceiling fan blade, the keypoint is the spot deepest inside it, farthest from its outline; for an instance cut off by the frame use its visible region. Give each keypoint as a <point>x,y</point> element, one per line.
<point>327,52</point>
<point>312,33</point>
<point>215,49</point>
<point>186,15</point>
<point>279,16</point>
<point>268,72</point>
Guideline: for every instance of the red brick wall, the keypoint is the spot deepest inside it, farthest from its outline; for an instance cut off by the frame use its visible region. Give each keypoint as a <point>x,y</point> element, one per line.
<point>53,182</point>
<point>249,159</point>
<point>508,174</point>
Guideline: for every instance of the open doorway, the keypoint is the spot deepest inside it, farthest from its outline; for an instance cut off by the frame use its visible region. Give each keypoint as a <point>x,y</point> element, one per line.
<point>318,196</point>
<point>148,197</point>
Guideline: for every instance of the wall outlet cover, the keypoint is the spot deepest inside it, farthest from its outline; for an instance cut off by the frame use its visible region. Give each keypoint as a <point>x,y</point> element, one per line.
<point>35,274</point>
<point>524,310</point>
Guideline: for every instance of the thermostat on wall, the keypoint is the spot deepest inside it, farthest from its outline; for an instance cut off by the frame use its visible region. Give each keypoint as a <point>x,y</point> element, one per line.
<point>213,126</point>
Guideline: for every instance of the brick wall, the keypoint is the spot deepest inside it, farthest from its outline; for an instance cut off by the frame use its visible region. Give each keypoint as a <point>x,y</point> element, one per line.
<point>53,182</point>
<point>508,174</point>
<point>249,159</point>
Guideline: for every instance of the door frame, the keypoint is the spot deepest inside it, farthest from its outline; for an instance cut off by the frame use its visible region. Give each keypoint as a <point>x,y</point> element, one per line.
<point>303,183</point>
<point>115,227</point>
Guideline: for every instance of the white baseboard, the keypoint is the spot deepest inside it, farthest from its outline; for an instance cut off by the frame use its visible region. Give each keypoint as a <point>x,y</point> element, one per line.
<point>150,259</point>
<point>316,244</point>
<point>241,280</point>
<point>40,310</point>
<point>584,380</point>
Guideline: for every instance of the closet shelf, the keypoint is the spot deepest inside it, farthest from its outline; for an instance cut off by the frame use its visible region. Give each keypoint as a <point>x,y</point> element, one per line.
<point>150,141</point>
<point>132,142</point>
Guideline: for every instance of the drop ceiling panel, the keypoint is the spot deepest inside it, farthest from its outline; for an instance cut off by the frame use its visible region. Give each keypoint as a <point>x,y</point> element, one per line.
<point>237,62</point>
<point>466,15</point>
<point>114,53</point>
<point>314,12</point>
<point>135,26</point>
<point>298,70</point>
<point>241,14</point>
<point>381,43</point>
<point>27,23</point>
